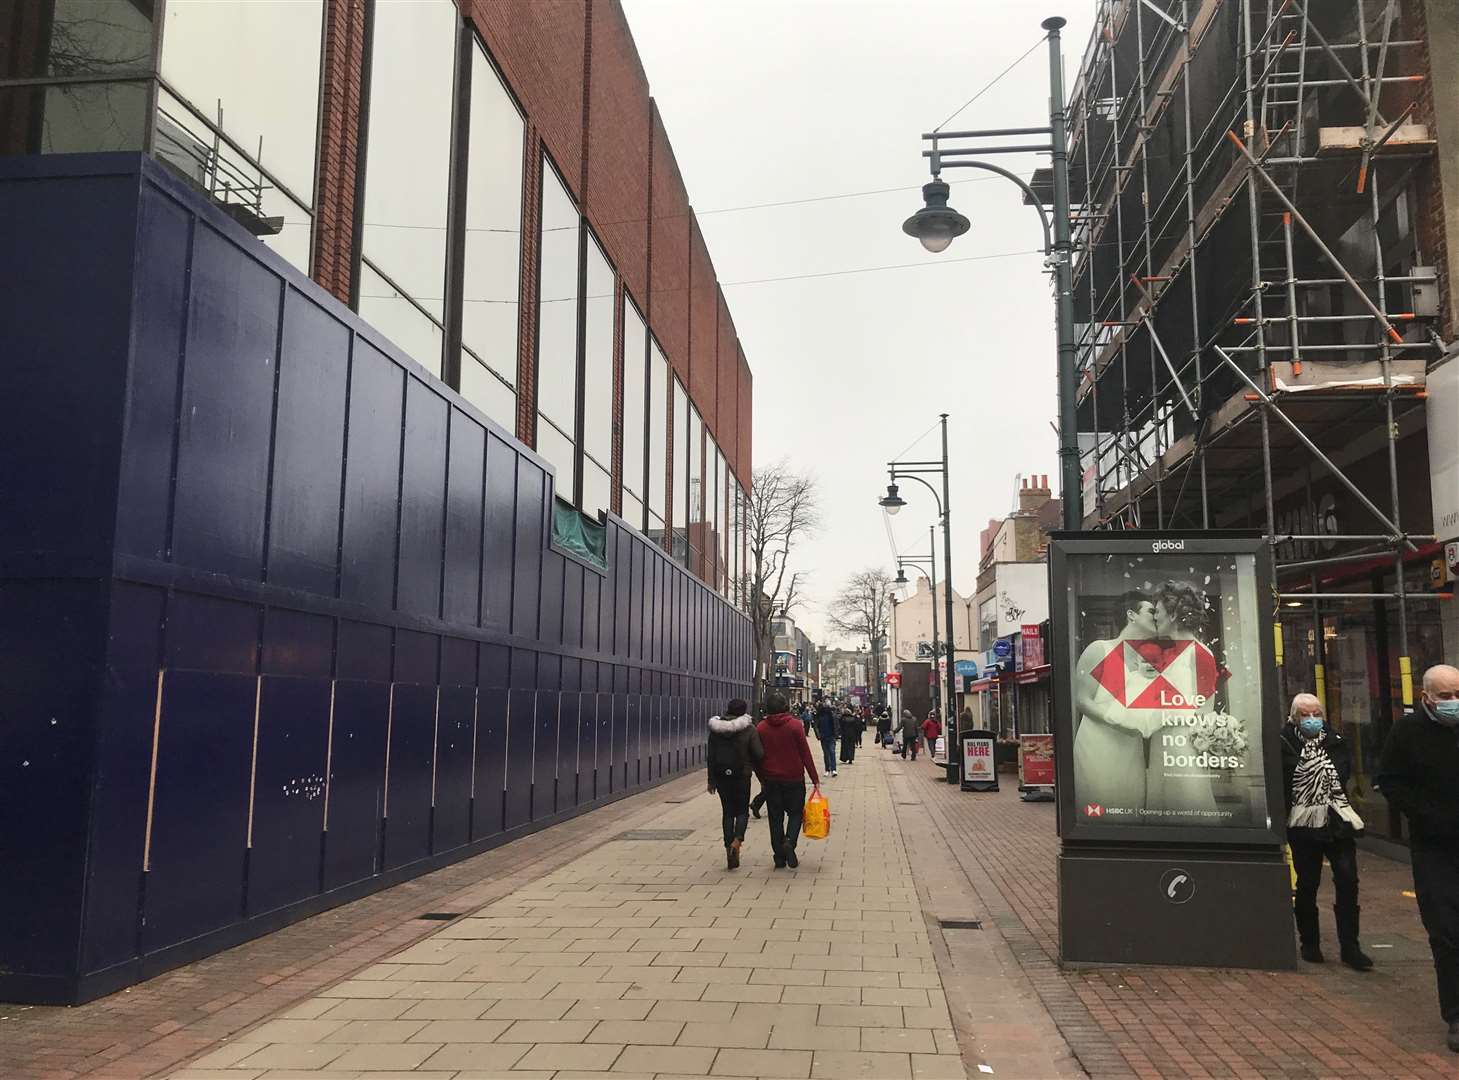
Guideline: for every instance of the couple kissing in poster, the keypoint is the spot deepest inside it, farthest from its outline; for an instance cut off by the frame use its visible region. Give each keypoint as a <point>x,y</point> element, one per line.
<point>1145,701</point>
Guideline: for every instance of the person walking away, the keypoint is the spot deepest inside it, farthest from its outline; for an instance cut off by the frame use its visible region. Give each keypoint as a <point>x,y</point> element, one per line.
<point>733,752</point>
<point>1316,766</point>
<point>782,772</point>
<point>883,727</point>
<point>826,732</point>
<point>850,736</point>
<point>909,733</point>
<point>1419,775</point>
<point>931,729</point>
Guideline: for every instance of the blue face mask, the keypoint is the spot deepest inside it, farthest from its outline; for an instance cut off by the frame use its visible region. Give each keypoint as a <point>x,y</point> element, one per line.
<point>1448,710</point>
<point>1310,726</point>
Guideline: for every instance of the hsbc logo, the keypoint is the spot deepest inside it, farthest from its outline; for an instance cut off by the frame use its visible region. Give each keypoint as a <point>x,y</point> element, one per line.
<point>1167,545</point>
<point>1093,810</point>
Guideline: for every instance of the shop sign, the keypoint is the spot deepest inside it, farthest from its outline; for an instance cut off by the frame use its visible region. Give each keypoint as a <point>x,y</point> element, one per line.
<point>894,679</point>
<point>978,760</point>
<point>1033,647</point>
<point>1036,761</point>
<point>967,668</point>
<point>1176,737</point>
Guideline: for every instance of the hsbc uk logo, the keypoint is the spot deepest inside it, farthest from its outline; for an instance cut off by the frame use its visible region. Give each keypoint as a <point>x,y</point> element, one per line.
<point>1093,810</point>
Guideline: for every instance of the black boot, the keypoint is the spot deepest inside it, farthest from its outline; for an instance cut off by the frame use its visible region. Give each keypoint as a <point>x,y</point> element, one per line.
<point>1310,934</point>
<point>1347,936</point>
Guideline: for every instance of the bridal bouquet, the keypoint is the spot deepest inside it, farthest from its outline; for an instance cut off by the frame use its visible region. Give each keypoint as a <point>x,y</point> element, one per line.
<point>1221,736</point>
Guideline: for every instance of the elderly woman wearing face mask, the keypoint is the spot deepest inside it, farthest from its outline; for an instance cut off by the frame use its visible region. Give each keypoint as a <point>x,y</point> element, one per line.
<point>1316,765</point>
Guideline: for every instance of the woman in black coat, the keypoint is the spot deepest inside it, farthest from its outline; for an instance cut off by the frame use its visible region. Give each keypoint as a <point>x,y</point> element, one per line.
<point>733,752</point>
<point>1316,766</point>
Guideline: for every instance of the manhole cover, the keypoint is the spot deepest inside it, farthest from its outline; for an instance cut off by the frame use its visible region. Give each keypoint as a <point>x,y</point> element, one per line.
<point>440,916</point>
<point>960,924</point>
<point>654,834</point>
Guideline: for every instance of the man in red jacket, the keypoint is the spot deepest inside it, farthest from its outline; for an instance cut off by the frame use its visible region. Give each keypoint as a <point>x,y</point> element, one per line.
<point>782,776</point>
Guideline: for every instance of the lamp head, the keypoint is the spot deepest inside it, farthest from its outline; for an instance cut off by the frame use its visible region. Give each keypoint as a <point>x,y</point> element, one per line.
<point>901,578</point>
<point>936,225</point>
<point>891,502</point>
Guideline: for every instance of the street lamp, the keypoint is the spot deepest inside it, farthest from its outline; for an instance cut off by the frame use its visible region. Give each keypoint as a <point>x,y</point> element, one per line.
<point>936,225</point>
<point>891,503</point>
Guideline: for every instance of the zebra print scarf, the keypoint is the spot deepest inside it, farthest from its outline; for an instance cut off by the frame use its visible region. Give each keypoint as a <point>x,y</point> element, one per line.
<point>1316,788</point>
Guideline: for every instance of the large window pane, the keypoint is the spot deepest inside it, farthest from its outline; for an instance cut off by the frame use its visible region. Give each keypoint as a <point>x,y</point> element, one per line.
<point>597,488</point>
<point>681,457</point>
<point>64,38</point>
<point>493,248</point>
<point>693,485</point>
<point>658,461</point>
<point>632,511</point>
<point>400,320</point>
<point>74,119</point>
<point>598,359</point>
<point>488,393</point>
<point>557,311</point>
<point>635,375</point>
<point>558,449</point>
<point>409,154</point>
<point>256,64</point>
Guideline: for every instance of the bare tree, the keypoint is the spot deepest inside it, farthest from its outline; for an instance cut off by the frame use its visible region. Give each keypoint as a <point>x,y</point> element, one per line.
<point>782,511</point>
<point>862,608</point>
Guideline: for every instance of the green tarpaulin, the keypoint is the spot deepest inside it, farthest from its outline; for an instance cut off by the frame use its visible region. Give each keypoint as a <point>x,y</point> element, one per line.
<point>576,532</point>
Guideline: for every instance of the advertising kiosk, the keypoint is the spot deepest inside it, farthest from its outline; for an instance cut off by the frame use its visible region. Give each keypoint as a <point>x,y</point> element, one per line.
<point>1168,766</point>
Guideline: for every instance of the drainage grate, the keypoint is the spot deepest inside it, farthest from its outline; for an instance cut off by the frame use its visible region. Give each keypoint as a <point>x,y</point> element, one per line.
<point>960,924</point>
<point>441,916</point>
<point>654,834</point>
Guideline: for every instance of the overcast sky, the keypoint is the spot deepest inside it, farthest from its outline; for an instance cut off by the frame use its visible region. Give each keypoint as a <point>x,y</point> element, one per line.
<point>771,100</point>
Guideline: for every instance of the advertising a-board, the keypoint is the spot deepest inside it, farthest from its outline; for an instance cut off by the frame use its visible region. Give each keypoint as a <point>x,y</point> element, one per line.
<point>1035,760</point>
<point>1165,699</point>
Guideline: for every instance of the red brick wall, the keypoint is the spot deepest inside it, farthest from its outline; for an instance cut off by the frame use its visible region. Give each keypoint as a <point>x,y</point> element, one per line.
<point>576,73</point>
<point>344,48</point>
<point>703,325</point>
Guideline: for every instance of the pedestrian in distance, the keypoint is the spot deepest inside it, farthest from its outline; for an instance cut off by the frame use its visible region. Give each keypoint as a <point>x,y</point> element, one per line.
<point>783,769</point>
<point>733,752</point>
<point>931,729</point>
<point>909,733</point>
<point>1316,765</point>
<point>1419,775</point>
<point>826,728</point>
<point>884,728</point>
<point>850,735</point>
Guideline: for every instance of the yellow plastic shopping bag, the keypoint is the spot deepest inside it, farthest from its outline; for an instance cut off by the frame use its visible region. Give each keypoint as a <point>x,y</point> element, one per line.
<point>817,817</point>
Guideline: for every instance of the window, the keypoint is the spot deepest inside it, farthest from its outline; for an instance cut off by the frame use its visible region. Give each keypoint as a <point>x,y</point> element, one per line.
<point>721,522</point>
<point>598,381</point>
<point>70,40</point>
<point>557,327</point>
<point>492,247</point>
<point>407,174</point>
<point>658,429</point>
<point>681,473</point>
<point>250,72</point>
<point>635,400</point>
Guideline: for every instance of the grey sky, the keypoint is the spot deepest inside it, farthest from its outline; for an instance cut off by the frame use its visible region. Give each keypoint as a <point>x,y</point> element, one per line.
<point>768,100</point>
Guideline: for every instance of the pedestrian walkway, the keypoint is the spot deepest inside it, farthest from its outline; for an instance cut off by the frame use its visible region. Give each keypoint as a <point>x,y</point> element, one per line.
<point>645,957</point>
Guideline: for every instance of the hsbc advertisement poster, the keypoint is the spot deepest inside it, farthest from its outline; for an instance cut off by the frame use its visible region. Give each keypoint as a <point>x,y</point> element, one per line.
<point>1164,676</point>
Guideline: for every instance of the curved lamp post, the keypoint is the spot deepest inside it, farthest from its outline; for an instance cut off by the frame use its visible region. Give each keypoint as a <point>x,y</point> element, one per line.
<point>936,225</point>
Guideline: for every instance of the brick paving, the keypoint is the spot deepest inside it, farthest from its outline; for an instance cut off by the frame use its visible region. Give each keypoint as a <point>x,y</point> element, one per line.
<point>154,1026</point>
<point>645,957</point>
<point>1320,1021</point>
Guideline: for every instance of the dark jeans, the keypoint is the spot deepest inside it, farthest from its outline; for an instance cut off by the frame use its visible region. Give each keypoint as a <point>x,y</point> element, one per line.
<point>910,743</point>
<point>734,800</point>
<point>787,806</point>
<point>1436,881</point>
<point>1307,855</point>
<point>828,752</point>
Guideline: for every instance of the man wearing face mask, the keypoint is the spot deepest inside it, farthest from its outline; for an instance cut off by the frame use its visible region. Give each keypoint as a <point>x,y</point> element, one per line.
<point>1316,765</point>
<point>1419,775</point>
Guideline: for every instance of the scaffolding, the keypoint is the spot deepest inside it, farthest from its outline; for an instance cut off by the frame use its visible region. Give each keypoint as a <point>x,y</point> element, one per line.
<point>1254,299</point>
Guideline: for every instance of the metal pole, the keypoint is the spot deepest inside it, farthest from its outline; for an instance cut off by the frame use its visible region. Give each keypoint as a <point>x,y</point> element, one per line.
<point>1070,492</point>
<point>949,716</point>
<point>932,579</point>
